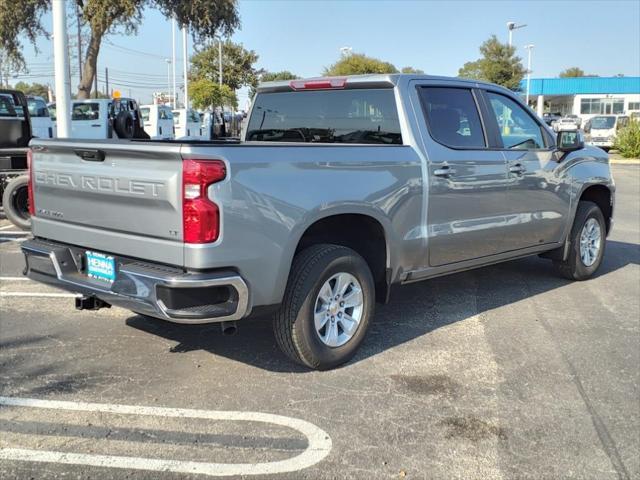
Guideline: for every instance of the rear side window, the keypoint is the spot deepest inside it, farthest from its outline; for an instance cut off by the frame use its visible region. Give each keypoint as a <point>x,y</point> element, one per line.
<point>452,117</point>
<point>37,108</point>
<point>145,112</point>
<point>366,116</point>
<point>85,111</point>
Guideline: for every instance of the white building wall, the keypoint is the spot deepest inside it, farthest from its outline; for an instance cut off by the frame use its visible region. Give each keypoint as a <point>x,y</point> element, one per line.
<point>627,97</point>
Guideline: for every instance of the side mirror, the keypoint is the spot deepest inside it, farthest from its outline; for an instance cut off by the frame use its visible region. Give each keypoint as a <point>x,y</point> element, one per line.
<point>569,141</point>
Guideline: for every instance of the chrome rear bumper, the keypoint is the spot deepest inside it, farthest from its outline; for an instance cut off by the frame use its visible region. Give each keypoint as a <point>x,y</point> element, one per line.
<point>152,289</point>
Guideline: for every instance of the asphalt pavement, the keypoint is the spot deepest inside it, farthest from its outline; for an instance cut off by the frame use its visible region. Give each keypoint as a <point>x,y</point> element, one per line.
<point>505,372</point>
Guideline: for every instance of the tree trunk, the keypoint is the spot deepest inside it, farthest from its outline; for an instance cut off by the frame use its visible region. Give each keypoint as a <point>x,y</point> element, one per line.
<point>90,70</point>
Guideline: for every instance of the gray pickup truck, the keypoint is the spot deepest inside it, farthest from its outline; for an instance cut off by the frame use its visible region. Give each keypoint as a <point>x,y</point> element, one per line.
<point>339,188</point>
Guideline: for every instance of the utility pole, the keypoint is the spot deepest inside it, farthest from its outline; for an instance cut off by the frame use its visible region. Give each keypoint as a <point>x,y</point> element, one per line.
<point>529,48</point>
<point>106,79</point>
<point>78,15</point>
<point>61,65</point>
<point>511,26</point>
<point>185,66</point>
<point>174,102</point>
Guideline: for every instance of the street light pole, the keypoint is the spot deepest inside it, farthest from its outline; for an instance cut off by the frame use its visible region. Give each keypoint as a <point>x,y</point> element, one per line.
<point>511,26</point>
<point>61,67</point>
<point>185,67</point>
<point>220,60</point>
<point>529,48</point>
<point>168,60</point>
<point>174,100</point>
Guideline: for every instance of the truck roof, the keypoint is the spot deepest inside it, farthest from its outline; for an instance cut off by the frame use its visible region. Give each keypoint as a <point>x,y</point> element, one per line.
<point>376,80</point>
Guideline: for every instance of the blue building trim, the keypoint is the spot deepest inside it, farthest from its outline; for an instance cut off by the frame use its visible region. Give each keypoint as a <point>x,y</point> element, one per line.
<point>582,85</point>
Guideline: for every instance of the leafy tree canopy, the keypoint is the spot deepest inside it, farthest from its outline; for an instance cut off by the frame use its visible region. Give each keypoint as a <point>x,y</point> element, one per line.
<point>417,71</point>
<point>23,18</point>
<point>574,72</point>
<point>359,64</point>
<point>275,76</point>
<point>498,64</point>
<point>206,93</point>
<point>238,65</point>
<point>37,89</point>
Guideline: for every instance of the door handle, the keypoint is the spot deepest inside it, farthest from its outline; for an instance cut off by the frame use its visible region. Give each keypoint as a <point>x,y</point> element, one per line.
<point>517,168</point>
<point>445,171</point>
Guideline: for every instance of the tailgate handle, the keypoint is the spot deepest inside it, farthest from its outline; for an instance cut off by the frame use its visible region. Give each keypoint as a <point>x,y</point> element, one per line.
<point>90,155</point>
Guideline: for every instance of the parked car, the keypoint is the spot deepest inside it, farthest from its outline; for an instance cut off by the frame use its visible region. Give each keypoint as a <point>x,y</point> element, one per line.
<point>15,134</point>
<point>340,188</point>
<point>158,121</point>
<point>104,118</point>
<point>568,122</point>
<point>187,124</point>
<point>549,118</point>
<point>41,122</point>
<point>602,130</point>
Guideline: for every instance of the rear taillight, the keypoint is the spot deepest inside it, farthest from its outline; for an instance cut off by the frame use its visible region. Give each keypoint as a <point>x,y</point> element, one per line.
<point>32,203</point>
<point>318,84</point>
<point>200,216</point>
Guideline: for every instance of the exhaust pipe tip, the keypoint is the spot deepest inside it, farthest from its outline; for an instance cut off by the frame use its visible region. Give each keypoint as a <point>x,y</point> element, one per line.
<point>229,328</point>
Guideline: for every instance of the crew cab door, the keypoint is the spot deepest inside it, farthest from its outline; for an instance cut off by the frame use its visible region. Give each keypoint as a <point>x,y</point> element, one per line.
<point>467,207</point>
<point>538,198</point>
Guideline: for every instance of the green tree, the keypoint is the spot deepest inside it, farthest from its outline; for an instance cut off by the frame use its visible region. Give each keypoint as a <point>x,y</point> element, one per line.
<point>574,72</point>
<point>37,89</point>
<point>275,76</point>
<point>238,65</point>
<point>206,93</point>
<point>359,64</point>
<point>498,64</point>
<point>23,19</point>
<point>417,71</point>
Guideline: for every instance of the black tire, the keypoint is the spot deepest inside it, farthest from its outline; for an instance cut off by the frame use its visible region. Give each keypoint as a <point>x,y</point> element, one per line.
<point>15,201</point>
<point>123,125</point>
<point>293,324</point>
<point>573,267</point>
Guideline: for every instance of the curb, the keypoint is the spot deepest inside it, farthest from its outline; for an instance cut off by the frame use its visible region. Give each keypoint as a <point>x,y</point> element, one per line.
<point>624,161</point>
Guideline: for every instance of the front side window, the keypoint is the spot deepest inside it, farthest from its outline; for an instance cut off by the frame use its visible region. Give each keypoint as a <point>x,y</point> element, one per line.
<point>516,127</point>
<point>452,117</point>
<point>365,116</point>
<point>7,106</point>
<point>145,112</point>
<point>37,108</point>
<point>85,111</point>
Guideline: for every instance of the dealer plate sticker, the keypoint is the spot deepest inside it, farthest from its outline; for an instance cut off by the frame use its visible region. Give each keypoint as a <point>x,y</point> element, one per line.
<point>101,266</point>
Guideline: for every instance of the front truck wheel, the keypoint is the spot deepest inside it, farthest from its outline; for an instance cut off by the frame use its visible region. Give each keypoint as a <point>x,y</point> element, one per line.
<point>327,307</point>
<point>586,243</point>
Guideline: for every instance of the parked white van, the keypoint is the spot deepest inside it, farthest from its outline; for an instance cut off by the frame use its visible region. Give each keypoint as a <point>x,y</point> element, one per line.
<point>41,122</point>
<point>158,121</point>
<point>601,130</point>
<point>191,128</point>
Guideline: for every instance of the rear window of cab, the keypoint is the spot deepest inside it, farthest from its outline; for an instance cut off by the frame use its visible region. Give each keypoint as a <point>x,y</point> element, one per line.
<point>363,116</point>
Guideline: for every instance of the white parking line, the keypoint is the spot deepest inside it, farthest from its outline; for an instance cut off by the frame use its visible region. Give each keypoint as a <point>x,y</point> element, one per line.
<point>15,232</point>
<point>15,279</point>
<point>36,294</point>
<point>318,448</point>
<point>6,227</point>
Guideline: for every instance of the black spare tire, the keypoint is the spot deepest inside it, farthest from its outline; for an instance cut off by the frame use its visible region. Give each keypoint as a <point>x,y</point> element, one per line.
<point>123,125</point>
<point>15,201</point>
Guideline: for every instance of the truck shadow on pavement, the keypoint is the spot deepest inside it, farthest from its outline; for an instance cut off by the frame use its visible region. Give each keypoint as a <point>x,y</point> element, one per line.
<point>414,310</point>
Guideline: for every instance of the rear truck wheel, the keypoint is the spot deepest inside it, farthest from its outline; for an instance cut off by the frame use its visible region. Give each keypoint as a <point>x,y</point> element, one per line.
<point>15,201</point>
<point>327,307</point>
<point>586,243</point>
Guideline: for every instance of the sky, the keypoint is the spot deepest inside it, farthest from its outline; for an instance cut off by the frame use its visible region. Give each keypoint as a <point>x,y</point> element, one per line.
<point>304,36</point>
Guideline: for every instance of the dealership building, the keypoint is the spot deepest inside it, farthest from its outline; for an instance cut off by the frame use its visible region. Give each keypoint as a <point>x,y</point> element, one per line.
<point>584,96</point>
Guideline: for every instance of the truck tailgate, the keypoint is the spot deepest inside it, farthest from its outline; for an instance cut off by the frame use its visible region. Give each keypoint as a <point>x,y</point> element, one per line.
<point>111,190</point>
